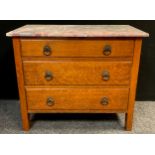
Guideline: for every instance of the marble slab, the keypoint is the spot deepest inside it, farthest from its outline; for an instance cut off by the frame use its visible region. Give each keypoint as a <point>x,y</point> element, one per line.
<point>77,31</point>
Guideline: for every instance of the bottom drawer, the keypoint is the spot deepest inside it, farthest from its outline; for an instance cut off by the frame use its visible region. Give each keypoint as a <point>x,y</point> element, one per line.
<point>77,98</point>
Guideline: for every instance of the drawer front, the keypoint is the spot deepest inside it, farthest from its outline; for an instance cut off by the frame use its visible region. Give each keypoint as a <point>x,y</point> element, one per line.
<point>84,98</point>
<point>77,47</point>
<point>77,72</point>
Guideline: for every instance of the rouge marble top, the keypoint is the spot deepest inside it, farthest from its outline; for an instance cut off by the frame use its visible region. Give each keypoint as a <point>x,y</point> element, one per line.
<point>77,31</point>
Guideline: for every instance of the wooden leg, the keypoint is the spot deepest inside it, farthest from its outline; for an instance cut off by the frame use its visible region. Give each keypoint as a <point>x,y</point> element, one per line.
<point>133,84</point>
<point>25,121</point>
<point>128,121</point>
<point>20,79</point>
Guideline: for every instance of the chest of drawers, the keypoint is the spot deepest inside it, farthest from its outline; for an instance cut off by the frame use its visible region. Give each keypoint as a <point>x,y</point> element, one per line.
<point>77,69</point>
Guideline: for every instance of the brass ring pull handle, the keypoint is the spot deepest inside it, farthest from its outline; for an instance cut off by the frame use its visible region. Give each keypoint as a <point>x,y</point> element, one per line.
<point>48,75</point>
<point>107,50</point>
<point>104,101</point>
<point>50,101</point>
<point>106,75</point>
<point>47,50</point>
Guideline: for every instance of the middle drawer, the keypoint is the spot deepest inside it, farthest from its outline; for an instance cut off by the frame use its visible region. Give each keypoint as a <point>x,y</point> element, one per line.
<point>77,72</point>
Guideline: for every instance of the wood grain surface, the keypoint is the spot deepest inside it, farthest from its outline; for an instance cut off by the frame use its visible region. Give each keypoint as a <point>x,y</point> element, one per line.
<point>20,79</point>
<point>76,80</point>
<point>133,83</point>
<point>77,47</point>
<point>76,72</point>
<point>77,98</point>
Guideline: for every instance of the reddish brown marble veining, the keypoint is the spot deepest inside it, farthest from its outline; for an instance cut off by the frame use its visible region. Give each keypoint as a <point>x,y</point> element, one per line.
<point>77,31</point>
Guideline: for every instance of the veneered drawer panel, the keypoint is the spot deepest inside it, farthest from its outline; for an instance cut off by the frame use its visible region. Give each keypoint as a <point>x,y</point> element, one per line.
<point>78,98</point>
<point>77,47</point>
<point>77,72</point>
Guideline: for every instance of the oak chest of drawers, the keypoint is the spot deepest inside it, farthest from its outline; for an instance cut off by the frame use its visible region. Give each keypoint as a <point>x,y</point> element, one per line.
<point>77,69</point>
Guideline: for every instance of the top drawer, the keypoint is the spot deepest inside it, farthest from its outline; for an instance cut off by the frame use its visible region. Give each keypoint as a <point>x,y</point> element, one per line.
<point>77,47</point>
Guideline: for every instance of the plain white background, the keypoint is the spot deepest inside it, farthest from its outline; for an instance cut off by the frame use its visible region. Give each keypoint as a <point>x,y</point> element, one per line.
<point>77,10</point>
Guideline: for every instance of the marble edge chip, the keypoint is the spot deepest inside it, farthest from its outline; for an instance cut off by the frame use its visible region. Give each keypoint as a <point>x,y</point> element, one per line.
<point>77,31</point>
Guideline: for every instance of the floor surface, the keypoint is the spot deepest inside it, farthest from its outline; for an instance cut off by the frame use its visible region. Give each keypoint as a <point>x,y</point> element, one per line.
<point>10,121</point>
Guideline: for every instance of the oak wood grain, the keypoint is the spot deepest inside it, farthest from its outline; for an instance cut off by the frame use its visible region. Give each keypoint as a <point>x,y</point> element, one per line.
<point>77,84</point>
<point>59,111</point>
<point>77,98</point>
<point>76,72</point>
<point>133,83</point>
<point>77,47</point>
<point>20,79</point>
